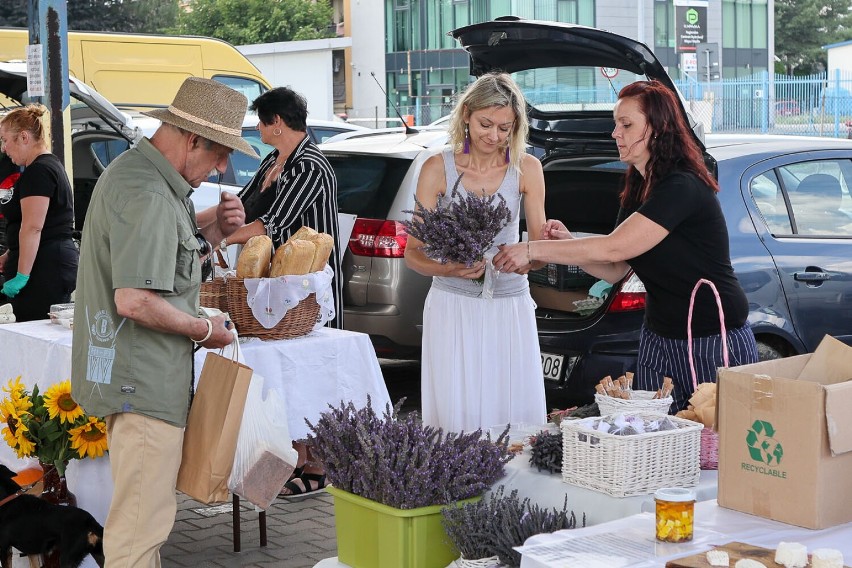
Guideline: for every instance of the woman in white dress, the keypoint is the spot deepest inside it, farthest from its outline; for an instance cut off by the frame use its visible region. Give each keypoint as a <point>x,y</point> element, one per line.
<point>481,365</point>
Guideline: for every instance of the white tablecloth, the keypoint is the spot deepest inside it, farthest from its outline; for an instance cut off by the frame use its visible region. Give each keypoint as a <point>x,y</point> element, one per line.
<point>324,367</point>
<point>714,525</point>
<point>548,490</point>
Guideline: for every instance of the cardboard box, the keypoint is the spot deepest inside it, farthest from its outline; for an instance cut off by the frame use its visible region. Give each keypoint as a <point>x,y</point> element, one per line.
<point>785,435</point>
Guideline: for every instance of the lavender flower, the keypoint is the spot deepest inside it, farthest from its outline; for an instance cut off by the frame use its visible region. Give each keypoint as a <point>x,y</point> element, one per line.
<point>399,461</point>
<point>461,231</point>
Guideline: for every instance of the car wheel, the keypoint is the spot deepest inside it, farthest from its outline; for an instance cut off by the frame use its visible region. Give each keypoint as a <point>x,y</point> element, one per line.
<point>766,352</point>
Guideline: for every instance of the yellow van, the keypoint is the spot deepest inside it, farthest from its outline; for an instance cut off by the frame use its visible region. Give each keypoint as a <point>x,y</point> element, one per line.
<point>138,70</point>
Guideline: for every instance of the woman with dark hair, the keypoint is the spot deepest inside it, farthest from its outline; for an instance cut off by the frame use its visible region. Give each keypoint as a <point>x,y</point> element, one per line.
<point>671,232</point>
<point>40,265</point>
<point>294,186</point>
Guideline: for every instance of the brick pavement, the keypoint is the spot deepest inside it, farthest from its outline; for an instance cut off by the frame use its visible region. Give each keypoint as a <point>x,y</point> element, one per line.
<point>300,533</point>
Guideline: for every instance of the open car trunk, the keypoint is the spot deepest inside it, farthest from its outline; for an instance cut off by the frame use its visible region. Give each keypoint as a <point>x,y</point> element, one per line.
<point>584,196</point>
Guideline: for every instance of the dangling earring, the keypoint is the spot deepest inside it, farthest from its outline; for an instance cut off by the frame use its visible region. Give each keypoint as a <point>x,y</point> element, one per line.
<point>507,154</point>
<point>466,148</point>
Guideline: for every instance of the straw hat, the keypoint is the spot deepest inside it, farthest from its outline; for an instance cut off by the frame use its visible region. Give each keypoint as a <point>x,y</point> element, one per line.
<point>210,109</point>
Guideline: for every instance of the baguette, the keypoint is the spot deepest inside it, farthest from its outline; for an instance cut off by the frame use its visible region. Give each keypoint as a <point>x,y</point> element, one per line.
<point>254,258</point>
<point>292,258</point>
<point>324,244</point>
<point>303,234</point>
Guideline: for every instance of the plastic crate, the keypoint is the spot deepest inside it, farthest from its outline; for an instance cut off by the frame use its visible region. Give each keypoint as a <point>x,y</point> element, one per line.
<point>562,277</point>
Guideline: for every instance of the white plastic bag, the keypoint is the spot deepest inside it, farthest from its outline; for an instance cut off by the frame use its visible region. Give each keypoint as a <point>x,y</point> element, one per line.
<point>265,457</point>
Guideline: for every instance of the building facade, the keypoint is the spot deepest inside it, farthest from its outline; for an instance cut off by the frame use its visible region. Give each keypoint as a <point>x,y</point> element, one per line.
<point>696,40</point>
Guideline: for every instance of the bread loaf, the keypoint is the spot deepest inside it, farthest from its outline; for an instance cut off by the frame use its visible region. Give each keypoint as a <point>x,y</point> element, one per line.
<point>293,257</point>
<point>254,258</point>
<point>324,243</point>
<point>303,234</point>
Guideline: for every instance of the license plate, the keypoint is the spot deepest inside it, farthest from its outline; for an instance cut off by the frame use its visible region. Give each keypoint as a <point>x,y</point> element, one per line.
<point>551,366</point>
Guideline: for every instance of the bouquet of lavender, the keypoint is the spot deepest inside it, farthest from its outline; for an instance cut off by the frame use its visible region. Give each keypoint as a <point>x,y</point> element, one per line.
<point>401,463</point>
<point>461,231</point>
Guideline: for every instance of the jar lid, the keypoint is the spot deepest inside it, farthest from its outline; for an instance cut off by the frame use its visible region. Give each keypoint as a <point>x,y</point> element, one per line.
<point>675,494</point>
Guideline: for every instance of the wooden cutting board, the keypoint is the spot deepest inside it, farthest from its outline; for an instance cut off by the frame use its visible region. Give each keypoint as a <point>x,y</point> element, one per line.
<point>736,551</point>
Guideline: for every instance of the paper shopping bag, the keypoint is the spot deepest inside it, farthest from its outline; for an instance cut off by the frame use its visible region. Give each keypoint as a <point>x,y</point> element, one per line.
<point>210,440</point>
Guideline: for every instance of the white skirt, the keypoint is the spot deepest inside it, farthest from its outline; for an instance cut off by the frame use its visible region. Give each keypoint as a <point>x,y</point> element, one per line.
<point>481,362</point>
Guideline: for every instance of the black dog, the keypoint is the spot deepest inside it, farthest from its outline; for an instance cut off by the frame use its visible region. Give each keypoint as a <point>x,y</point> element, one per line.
<point>34,526</point>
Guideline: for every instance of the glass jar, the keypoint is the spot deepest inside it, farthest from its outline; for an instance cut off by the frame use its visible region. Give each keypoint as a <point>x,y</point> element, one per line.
<point>675,514</point>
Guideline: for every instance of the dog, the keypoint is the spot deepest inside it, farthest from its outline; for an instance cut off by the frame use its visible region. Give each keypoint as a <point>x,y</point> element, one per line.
<point>34,526</point>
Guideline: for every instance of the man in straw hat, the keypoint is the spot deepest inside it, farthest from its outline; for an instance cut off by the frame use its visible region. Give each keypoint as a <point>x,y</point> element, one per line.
<point>137,310</point>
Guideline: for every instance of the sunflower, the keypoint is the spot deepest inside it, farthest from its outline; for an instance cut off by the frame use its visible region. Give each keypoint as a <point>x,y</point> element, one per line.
<point>89,439</point>
<point>18,395</point>
<point>58,402</point>
<point>11,417</point>
<point>25,447</point>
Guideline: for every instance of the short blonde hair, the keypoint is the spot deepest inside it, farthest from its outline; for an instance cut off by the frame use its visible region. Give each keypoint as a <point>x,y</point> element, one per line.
<point>489,90</point>
<point>34,118</point>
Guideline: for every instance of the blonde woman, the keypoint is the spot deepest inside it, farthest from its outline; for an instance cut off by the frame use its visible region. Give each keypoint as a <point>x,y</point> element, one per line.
<point>481,364</point>
<point>40,265</point>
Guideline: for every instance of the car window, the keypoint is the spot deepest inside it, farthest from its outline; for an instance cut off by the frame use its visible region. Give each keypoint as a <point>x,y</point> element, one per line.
<point>323,133</point>
<point>819,197</point>
<point>573,88</point>
<point>249,87</point>
<point>769,199</point>
<point>108,150</point>
<point>367,185</point>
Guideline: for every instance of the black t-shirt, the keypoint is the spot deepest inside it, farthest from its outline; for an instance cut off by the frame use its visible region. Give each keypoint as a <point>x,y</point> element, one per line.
<point>44,177</point>
<point>696,247</point>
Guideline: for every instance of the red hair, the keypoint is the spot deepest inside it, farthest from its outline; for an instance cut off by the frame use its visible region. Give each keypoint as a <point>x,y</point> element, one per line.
<point>671,144</point>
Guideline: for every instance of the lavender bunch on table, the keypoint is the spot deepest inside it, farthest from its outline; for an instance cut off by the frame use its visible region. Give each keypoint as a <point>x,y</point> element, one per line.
<point>400,462</point>
<point>462,230</point>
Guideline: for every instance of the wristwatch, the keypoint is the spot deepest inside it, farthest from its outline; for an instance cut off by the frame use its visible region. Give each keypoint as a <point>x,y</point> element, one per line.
<point>223,244</point>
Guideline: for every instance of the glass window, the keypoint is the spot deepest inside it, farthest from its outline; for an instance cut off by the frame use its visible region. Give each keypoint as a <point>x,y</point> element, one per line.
<point>107,150</point>
<point>664,24</point>
<point>760,24</point>
<point>729,24</point>
<point>366,185</point>
<point>819,197</point>
<point>249,87</point>
<point>769,199</point>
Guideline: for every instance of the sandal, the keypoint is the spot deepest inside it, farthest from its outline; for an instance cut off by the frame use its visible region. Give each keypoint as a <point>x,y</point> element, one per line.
<point>297,473</point>
<point>311,483</point>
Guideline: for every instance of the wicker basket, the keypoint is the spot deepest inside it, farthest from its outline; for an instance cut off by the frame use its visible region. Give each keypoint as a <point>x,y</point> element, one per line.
<point>640,464</point>
<point>297,322</point>
<point>642,401</point>
<point>214,294</point>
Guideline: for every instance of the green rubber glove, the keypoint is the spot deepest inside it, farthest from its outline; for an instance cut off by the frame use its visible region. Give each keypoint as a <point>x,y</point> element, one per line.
<point>15,285</point>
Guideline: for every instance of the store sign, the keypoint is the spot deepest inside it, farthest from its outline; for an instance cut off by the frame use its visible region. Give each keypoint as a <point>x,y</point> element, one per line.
<point>691,24</point>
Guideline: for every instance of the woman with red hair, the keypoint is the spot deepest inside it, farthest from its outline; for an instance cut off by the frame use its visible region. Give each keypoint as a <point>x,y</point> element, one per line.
<point>671,232</point>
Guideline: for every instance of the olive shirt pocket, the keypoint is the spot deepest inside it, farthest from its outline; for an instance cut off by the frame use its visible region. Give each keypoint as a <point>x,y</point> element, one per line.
<point>188,262</point>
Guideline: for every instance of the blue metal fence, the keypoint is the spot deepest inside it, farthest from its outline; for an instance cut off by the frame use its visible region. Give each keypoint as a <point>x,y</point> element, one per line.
<point>778,104</point>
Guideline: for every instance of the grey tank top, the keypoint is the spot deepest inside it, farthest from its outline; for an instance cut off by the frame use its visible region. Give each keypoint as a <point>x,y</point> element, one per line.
<point>507,284</point>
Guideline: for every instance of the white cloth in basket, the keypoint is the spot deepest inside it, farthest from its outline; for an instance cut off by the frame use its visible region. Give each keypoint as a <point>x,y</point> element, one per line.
<point>271,298</point>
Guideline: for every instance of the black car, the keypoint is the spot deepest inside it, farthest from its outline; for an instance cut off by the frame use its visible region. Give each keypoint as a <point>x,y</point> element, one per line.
<point>786,200</point>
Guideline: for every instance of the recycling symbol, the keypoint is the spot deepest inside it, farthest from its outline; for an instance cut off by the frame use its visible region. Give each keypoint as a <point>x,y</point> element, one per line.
<point>762,446</point>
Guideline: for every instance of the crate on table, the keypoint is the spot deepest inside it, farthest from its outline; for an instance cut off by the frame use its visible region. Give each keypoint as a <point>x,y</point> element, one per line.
<point>562,277</point>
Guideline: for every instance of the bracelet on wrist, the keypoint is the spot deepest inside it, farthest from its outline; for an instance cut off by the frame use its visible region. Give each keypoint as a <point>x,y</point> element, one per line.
<point>209,332</point>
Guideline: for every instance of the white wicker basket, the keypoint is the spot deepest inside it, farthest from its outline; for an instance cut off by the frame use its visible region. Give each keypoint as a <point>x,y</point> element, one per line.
<point>642,401</point>
<point>622,466</point>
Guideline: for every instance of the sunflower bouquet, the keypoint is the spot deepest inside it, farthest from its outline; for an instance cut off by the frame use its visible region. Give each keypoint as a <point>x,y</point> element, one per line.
<point>50,426</point>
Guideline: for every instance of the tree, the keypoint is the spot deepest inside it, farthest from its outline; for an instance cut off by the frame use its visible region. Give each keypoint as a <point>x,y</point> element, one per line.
<point>802,27</point>
<point>149,16</point>
<point>243,22</point>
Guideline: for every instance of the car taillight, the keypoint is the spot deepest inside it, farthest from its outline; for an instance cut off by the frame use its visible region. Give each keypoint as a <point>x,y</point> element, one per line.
<point>378,237</point>
<point>630,296</point>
